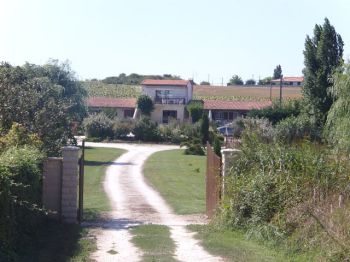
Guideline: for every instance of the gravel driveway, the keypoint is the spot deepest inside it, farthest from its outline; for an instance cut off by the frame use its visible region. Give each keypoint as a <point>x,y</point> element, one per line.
<point>134,202</point>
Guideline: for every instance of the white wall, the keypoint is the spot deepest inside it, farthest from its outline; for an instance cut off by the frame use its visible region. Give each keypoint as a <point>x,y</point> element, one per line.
<point>177,91</point>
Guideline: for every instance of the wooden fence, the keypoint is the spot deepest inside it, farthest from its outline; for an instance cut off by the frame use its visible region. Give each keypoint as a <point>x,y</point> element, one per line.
<point>213,184</point>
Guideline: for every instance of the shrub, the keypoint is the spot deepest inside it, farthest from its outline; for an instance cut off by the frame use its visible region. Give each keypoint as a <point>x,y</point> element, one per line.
<point>98,125</point>
<point>121,128</point>
<point>145,104</point>
<point>276,113</point>
<point>260,127</point>
<point>204,129</point>
<point>20,196</point>
<point>294,129</point>
<point>147,130</point>
<point>193,147</point>
<point>195,109</point>
<point>171,133</point>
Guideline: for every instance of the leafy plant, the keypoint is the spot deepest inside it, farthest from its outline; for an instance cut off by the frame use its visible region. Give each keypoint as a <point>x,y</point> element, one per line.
<point>98,125</point>
<point>145,104</point>
<point>147,130</point>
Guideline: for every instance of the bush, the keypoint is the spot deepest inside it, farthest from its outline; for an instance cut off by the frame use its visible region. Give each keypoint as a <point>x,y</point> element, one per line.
<point>193,147</point>
<point>98,125</point>
<point>20,196</point>
<point>121,128</point>
<point>145,104</point>
<point>276,113</point>
<point>147,130</point>
<point>293,129</point>
<point>260,127</point>
<point>195,110</point>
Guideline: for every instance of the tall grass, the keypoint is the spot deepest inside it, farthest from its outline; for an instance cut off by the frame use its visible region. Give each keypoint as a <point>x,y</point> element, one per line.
<point>285,193</point>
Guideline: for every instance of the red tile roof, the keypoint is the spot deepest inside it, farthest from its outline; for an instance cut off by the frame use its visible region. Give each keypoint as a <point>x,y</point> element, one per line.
<point>111,102</point>
<point>155,82</point>
<point>291,79</point>
<point>235,105</point>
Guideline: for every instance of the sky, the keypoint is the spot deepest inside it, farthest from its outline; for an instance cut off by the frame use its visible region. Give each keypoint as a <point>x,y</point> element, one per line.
<point>195,39</point>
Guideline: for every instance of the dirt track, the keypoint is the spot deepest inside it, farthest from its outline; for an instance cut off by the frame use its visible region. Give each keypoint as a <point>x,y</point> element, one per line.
<point>134,203</point>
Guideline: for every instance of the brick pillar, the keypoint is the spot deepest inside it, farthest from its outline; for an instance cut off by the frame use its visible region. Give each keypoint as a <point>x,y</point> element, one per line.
<point>70,171</point>
<point>228,156</point>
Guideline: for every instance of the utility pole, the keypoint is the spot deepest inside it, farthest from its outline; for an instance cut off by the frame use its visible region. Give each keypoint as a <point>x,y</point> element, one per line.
<point>281,80</point>
<point>222,81</point>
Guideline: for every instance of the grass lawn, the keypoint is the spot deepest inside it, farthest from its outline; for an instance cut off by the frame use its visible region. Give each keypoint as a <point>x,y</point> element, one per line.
<point>96,162</point>
<point>233,246</point>
<point>179,178</point>
<point>155,242</point>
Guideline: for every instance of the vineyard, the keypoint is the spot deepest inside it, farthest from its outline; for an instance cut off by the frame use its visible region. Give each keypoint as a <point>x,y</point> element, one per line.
<point>99,89</point>
<point>242,93</point>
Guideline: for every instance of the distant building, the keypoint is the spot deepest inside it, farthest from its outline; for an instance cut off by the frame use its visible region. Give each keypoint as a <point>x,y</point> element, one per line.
<point>227,111</point>
<point>289,81</point>
<point>125,107</point>
<point>170,98</point>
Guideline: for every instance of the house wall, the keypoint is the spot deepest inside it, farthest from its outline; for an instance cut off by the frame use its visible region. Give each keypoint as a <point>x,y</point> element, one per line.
<point>157,113</point>
<point>177,91</point>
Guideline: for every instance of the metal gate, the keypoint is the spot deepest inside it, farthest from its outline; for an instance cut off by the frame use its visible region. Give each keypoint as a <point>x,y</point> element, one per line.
<point>212,181</point>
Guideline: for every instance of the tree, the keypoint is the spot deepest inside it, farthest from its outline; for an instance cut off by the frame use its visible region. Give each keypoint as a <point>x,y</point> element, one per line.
<point>145,104</point>
<point>277,72</point>
<point>235,80</point>
<point>338,118</point>
<point>265,81</point>
<point>250,82</point>
<point>204,128</point>
<point>205,83</point>
<point>44,99</point>
<point>322,55</point>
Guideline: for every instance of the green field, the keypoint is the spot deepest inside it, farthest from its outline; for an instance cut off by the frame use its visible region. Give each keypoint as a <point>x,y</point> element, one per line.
<point>96,162</point>
<point>179,178</point>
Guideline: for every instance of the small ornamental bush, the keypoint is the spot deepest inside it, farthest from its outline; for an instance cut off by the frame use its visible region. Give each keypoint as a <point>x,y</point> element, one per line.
<point>121,128</point>
<point>147,130</point>
<point>98,126</point>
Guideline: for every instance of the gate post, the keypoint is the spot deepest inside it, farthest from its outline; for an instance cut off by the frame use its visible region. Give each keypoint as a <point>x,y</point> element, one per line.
<point>69,203</point>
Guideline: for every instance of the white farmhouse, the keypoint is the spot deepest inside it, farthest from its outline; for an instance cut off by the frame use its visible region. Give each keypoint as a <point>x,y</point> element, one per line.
<point>170,98</point>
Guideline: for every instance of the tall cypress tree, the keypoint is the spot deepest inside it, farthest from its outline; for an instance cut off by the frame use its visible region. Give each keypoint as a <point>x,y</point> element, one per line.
<point>322,55</point>
<point>277,72</point>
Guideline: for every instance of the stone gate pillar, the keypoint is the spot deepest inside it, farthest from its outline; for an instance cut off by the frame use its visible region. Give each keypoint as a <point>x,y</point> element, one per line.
<point>70,175</point>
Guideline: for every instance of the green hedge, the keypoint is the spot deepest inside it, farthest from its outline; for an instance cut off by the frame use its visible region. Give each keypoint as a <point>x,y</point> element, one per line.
<point>20,198</point>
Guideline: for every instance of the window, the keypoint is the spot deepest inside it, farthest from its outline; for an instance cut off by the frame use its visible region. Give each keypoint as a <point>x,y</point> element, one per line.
<point>128,113</point>
<point>168,115</point>
<point>164,93</point>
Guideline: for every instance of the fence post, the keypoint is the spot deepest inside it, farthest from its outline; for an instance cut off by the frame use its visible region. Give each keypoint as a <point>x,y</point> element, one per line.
<point>228,156</point>
<point>69,203</point>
